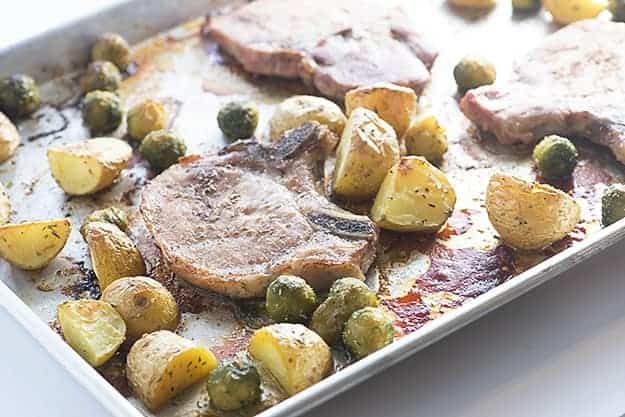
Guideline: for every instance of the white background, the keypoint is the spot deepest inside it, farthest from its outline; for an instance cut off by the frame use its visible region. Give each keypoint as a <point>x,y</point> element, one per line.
<point>558,351</point>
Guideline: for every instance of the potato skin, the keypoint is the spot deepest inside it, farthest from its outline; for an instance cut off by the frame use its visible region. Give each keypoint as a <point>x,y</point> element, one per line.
<point>569,11</point>
<point>529,216</point>
<point>145,305</point>
<point>9,138</point>
<point>297,110</point>
<point>33,245</point>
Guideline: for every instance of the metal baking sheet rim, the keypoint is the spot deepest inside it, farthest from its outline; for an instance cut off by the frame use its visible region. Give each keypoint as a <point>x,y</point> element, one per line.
<point>161,15</point>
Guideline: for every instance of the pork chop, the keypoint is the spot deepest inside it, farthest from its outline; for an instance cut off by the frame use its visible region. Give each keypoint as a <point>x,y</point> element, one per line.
<point>573,84</point>
<point>333,45</point>
<point>232,222</point>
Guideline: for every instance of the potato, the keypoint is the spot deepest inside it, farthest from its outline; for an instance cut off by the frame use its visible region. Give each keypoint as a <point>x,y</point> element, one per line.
<point>5,205</point>
<point>296,356</point>
<point>367,150</point>
<point>414,197</point>
<point>145,305</point>
<point>162,364</point>
<point>529,215</point>
<point>569,11</point>
<point>395,104</point>
<point>297,110</point>
<point>427,138</point>
<point>88,166</point>
<point>9,138</point>
<point>477,4</point>
<point>33,245</point>
<point>92,328</point>
<point>113,254</point>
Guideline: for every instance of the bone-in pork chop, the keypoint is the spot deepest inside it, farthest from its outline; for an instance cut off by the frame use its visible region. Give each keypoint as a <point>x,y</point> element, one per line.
<point>333,45</point>
<point>232,222</point>
<point>573,84</point>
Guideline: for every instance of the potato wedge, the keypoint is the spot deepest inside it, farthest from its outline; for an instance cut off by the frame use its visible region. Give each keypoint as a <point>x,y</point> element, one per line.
<point>33,245</point>
<point>5,205</point>
<point>569,11</point>
<point>9,138</point>
<point>297,110</point>
<point>528,215</point>
<point>92,328</point>
<point>367,150</point>
<point>427,138</point>
<point>414,197</point>
<point>113,254</point>
<point>296,356</point>
<point>477,4</point>
<point>88,166</point>
<point>162,364</point>
<point>395,104</point>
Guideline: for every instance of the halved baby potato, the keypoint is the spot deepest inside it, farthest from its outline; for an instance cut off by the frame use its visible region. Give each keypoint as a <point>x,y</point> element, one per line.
<point>529,215</point>
<point>9,138</point>
<point>297,110</point>
<point>89,166</point>
<point>162,364</point>
<point>367,150</point>
<point>113,254</point>
<point>92,328</point>
<point>569,11</point>
<point>414,197</point>
<point>5,205</point>
<point>296,356</point>
<point>33,245</point>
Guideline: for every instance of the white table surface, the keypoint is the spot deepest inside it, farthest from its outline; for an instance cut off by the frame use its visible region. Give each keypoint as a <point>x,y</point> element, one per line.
<point>558,351</point>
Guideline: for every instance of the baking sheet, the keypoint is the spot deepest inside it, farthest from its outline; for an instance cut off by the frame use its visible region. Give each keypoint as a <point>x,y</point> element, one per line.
<point>189,74</point>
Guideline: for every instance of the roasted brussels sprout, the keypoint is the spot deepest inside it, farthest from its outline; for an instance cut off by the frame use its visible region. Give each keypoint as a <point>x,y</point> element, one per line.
<point>19,95</point>
<point>238,120</point>
<point>290,299</point>
<point>111,215</point>
<point>113,48</point>
<point>162,148</point>
<point>102,111</point>
<point>473,72</point>
<point>367,330</point>
<point>617,7</point>
<point>233,385</point>
<point>100,75</point>
<point>613,204</point>
<point>146,117</point>
<point>555,157</point>
<point>526,5</point>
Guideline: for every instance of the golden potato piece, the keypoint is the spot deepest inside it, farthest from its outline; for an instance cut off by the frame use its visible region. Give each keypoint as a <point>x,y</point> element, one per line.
<point>297,110</point>
<point>9,138</point>
<point>529,215</point>
<point>113,254</point>
<point>5,205</point>
<point>367,150</point>
<point>33,245</point>
<point>395,104</point>
<point>477,4</point>
<point>162,364</point>
<point>145,305</point>
<point>414,197</point>
<point>92,328</point>
<point>88,166</point>
<point>427,138</point>
<point>296,356</point>
<point>569,11</point>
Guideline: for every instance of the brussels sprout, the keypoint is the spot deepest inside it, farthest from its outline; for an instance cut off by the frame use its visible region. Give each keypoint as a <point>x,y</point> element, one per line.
<point>526,5</point>
<point>613,204</point>
<point>238,120</point>
<point>346,296</point>
<point>113,48</point>
<point>146,117</point>
<point>233,385</point>
<point>162,148</point>
<point>100,75</point>
<point>19,95</point>
<point>367,330</point>
<point>555,157</point>
<point>102,111</point>
<point>290,299</point>
<point>111,215</point>
<point>473,72</point>
<point>617,7</point>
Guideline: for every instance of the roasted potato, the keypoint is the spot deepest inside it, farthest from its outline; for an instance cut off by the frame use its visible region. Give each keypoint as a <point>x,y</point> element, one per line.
<point>92,328</point>
<point>112,215</point>
<point>89,166</point>
<point>414,197</point>
<point>33,245</point>
<point>367,150</point>
<point>569,11</point>
<point>528,215</point>
<point>145,305</point>
<point>162,364</point>
<point>427,138</point>
<point>5,206</point>
<point>395,104</point>
<point>9,138</point>
<point>113,254</point>
<point>297,110</point>
<point>296,356</point>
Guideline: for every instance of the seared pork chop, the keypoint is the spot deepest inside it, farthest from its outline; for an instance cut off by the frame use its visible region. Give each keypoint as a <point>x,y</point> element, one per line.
<point>232,222</point>
<point>333,45</point>
<point>574,84</point>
